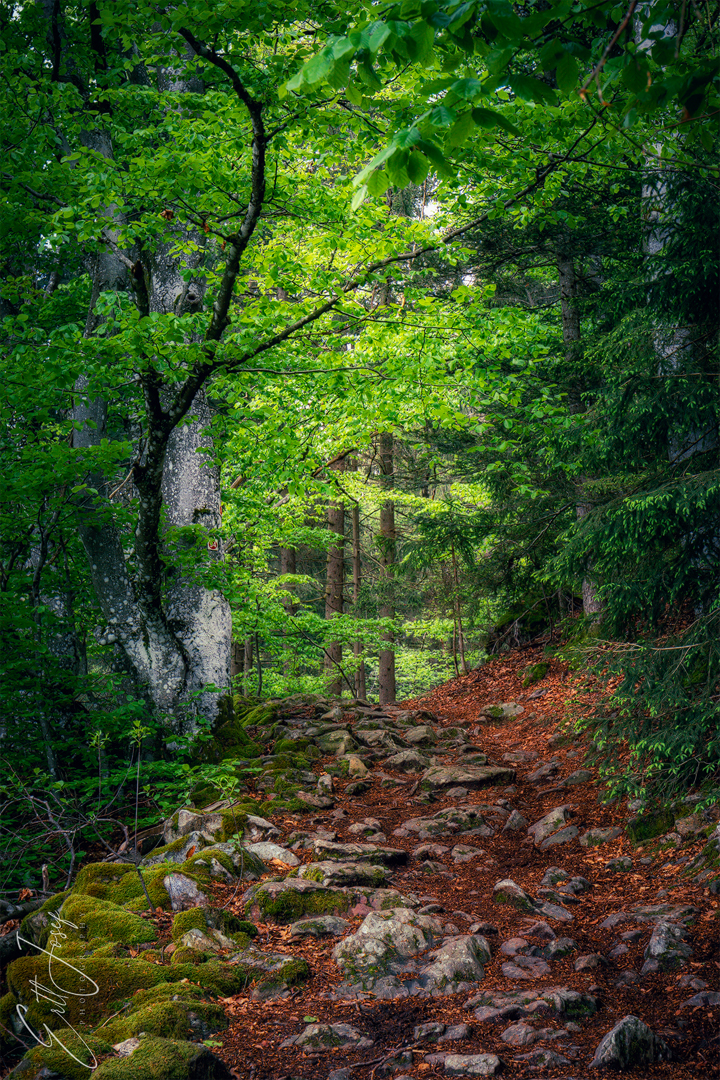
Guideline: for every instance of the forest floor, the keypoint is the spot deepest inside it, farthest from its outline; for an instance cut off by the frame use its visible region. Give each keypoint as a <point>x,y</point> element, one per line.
<point>461,893</point>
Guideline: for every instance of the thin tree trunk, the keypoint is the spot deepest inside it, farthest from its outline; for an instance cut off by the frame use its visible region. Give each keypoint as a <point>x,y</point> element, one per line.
<point>360,687</point>
<point>388,543</point>
<point>592,607</point>
<point>458,608</point>
<point>247,663</point>
<point>334,588</point>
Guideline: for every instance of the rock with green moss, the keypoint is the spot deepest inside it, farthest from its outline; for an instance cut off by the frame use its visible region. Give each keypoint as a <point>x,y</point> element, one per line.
<point>69,1058</point>
<point>649,824</point>
<point>287,901</point>
<point>177,851</point>
<point>192,919</point>
<point>229,861</point>
<point>335,872</point>
<point>508,892</point>
<point>179,1015</point>
<point>35,926</point>
<point>535,673</point>
<point>103,920</point>
<point>276,972</point>
<point>120,883</point>
<point>165,1059</point>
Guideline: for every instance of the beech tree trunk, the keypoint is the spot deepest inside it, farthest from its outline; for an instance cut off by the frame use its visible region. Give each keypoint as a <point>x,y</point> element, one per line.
<point>360,685</point>
<point>388,543</point>
<point>334,588</point>
<point>592,607</point>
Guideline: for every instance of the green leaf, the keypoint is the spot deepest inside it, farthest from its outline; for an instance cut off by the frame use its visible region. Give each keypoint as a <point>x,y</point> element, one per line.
<point>378,182</point>
<point>566,73</point>
<point>467,89</point>
<point>531,89</point>
<point>378,36</point>
<point>359,197</point>
<point>417,167</point>
<point>461,130</point>
<point>502,16</point>
<point>489,118</point>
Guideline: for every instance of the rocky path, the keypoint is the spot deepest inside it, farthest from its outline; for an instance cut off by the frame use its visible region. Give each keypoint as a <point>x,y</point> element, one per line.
<point>442,894</point>
<point>493,914</point>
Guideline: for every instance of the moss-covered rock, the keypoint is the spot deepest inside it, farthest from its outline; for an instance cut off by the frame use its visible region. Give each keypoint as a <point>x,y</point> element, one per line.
<point>106,921</point>
<point>287,901</point>
<point>67,1059</point>
<point>165,1059</point>
<point>35,927</point>
<point>177,851</point>
<point>175,1018</point>
<point>535,673</point>
<point>649,824</point>
<point>194,919</point>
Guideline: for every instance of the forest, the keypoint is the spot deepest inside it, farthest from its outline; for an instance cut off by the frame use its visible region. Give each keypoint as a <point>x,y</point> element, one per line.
<point>351,351</point>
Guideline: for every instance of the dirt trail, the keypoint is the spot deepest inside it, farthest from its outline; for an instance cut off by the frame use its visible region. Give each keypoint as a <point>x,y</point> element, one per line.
<point>460,895</point>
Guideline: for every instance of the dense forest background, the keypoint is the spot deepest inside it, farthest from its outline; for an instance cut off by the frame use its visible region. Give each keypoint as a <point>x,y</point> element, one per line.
<point>345,344</point>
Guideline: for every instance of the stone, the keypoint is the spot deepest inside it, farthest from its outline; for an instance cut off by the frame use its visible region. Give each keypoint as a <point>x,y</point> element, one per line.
<point>667,949</point>
<point>515,822</point>
<point>126,1047</point>
<point>520,757</point>
<point>357,787</point>
<point>317,802</point>
<point>544,1059</point>
<point>456,964</point>
<point>630,1044</point>
<point>618,866</point>
<point>356,767</point>
<point>648,825</point>
<point>541,930</point>
<point>455,1033</point>
<point>507,892</point>
<point>344,874</point>
<point>178,850</point>
<point>328,1037</point>
<point>520,1034</point>
<point>472,1065</point>
<point>407,761</point>
<point>526,967</point>
<point>210,941</point>
<point>462,853</point>
<point>320,926</point>
<point>707,999</point>
<point>429,1032</point>
<point>554,875</point>
<point>563,836</point>
<point>383,942</point>
<point>580,776</point>
<point>595,837</point>
<point>554,911</point>
<point>560,947</point>
<point>267,851</point>
<point>590,962</point>
<point>472,777</point>
<point>548,824</point>
<point>513,946</point>
<point>367,853</point>
<point>184,893</point>
<point>422,735</point>
<point>294,898</point>
<point>690,826</point>
<point>257,828</point>
<point>325,784</point>
<point>543,772</point>
<point>507,710</point>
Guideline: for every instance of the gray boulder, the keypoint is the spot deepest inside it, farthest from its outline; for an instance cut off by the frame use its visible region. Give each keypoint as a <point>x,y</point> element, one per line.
<point>472,777</point>
<point>629,1045</point>
<point>472,1065</point>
